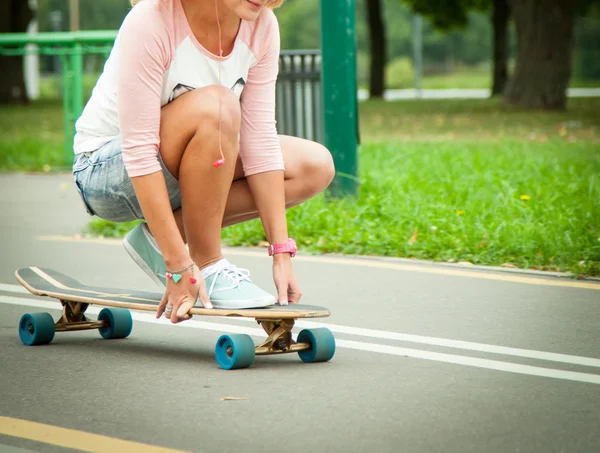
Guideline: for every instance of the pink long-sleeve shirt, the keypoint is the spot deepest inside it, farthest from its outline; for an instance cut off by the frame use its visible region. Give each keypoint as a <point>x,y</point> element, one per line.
<point>155,59</point>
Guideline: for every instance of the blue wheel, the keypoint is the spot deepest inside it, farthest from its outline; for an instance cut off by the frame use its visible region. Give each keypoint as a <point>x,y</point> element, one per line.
<point>119,325</point>
<point>235,351</point>
<point>36,328</point>
<point>322,345</point>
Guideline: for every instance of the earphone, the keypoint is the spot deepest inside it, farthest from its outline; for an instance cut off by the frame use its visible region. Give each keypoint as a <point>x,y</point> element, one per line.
<point>220,161</point>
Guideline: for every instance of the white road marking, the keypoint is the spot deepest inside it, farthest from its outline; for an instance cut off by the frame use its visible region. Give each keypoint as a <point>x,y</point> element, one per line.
<point>13,289</point>
<point>360,346</point>
<point>456,344</point>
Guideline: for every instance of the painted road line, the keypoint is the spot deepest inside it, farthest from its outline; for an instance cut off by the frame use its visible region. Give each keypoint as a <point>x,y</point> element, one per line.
<point>361,346</point>
<point>455,344</point>
<point>13,289</point>
<point>364,262</point>
<point>434,341</point>
<point>76,440</point>
<point>473,362</point>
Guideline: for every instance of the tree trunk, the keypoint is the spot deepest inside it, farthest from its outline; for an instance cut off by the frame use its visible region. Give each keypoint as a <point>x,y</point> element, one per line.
<point>544,47</point>
<point>15,16</point>
<point>500,17</point>
<point>377,47</point>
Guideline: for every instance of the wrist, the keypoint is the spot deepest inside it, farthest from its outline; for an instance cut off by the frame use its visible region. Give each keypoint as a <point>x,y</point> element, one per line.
<point>177,261</point>
<point>282,257</point>
<point>287,248</point>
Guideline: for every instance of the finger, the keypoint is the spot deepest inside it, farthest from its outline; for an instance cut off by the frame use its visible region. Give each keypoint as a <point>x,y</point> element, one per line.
<point>294,293</point>
<point>161,306</point>
<point>204,298</point>
<point>182,313</point>
<point>282,292</point>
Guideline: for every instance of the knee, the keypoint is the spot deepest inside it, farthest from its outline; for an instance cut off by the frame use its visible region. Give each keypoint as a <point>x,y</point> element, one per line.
<point>217,107</point>
<point>318,170</point>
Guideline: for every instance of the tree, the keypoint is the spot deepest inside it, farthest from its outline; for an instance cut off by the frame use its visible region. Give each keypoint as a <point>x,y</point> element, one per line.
<point>544,49</point>
<point>544,44</point>
<point>451,14</point>
<point>15,16</point>
<point>377,48</point>
<point>500,18</point>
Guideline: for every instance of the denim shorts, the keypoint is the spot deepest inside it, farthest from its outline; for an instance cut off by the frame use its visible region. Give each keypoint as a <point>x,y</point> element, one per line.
<point>105,187</point>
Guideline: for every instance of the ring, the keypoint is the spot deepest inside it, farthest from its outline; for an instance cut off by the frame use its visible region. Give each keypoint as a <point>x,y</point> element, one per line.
<point>168,309</point>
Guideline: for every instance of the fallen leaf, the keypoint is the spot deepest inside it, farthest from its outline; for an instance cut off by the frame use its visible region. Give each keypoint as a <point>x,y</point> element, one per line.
<point>234,398</point>
<point>414,237</point>
<point>263,244</point>
<point>465,263</point>
<point>508,265</point>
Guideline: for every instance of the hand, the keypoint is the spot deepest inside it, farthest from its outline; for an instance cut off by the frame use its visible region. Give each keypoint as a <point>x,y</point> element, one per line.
<point>288,290</point>
<point>182,296</point>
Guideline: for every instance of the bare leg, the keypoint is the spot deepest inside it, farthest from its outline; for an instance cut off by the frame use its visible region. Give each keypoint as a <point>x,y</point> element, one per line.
<point>308,171</point>
<point>189,147</point>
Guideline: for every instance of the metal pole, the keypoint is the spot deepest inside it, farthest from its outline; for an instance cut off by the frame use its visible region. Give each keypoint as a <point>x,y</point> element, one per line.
<point>31,61</point>
<point>74,15</point>
<point>418,52</point>
<point>340,105</point>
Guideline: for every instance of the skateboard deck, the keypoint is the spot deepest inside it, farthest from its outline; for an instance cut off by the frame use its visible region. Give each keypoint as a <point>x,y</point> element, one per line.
<point>115,321</point>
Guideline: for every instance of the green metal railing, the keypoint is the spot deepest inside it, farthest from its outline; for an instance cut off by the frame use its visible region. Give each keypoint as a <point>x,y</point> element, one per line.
<point>70,47</point>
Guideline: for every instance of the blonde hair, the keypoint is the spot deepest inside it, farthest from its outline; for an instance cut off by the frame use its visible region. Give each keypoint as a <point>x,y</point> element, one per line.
<point>275,4</point>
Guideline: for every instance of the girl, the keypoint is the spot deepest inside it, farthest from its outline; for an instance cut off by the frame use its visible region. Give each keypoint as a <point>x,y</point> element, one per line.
<point>180,132</point>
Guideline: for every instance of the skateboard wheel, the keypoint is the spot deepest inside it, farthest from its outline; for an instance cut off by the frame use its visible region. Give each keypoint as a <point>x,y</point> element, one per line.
<point>322,345</point>
<point>119,320</point>
<point>36,328</point>
<point>235,351</point>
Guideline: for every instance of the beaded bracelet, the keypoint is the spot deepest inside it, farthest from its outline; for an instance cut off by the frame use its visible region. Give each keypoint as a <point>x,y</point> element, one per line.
<point>176,275</point>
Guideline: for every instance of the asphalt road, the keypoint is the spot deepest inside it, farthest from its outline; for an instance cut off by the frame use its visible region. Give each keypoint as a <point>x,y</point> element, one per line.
<point>430,358</point>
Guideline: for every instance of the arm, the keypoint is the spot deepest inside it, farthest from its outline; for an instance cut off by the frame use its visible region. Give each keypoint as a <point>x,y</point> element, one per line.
<point>260,149</point>
<point>269,195</point>
<point>144,56</point>
<point>261,155</point>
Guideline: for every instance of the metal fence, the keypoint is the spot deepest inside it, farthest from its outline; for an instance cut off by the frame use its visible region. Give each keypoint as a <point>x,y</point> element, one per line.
<point>298,102</point>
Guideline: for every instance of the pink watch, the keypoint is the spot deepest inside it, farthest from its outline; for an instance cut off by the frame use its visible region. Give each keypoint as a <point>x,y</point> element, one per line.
<point>287,247</point>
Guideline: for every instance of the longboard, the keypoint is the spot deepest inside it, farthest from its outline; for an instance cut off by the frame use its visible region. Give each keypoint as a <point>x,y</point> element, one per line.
<point>115,321</point>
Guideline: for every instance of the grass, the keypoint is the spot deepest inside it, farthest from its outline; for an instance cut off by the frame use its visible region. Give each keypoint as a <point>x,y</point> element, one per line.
<point>456,180</point>
<point>478,120</point>
<point>474,78</point>
<point>528,205</point>
<point>32,136</point>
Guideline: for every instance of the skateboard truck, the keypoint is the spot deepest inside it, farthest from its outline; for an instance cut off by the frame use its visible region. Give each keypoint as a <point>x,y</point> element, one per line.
<point>279,338</point>
<point>73,318</point>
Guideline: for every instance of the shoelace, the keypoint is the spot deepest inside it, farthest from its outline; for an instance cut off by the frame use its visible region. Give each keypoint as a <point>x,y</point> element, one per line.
<point>232,273</point>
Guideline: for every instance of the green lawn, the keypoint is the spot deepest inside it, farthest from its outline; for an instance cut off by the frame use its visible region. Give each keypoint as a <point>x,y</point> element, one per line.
<point>31,137</point>
<point>442,180</point>
<point>474,78</point>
